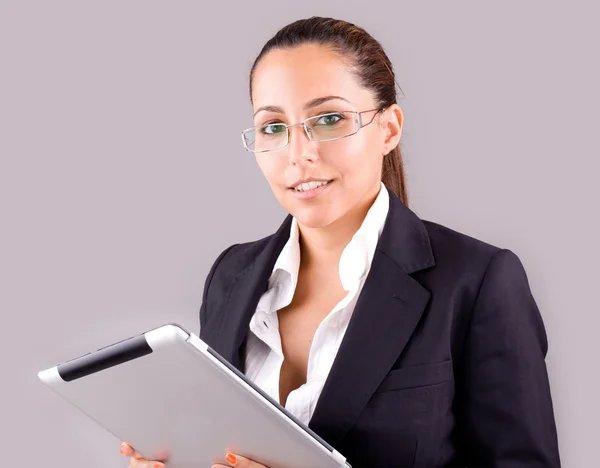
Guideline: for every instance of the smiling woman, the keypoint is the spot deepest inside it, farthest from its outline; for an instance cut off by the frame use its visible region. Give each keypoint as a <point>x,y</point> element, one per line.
<point>309,97</point>
<point>400,341</point>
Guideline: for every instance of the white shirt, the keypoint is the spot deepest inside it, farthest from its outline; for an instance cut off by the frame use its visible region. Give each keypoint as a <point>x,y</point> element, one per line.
<point>264,355</point>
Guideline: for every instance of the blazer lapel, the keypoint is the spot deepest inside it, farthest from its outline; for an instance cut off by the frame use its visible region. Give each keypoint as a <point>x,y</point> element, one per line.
<point>386,314</point>
<point>246,290</point>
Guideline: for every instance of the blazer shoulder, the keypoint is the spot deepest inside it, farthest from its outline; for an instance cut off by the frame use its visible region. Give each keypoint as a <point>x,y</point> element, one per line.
<point>455,249</point>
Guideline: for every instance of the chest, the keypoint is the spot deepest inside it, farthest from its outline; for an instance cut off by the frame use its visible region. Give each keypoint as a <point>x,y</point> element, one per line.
<point>313,299</point>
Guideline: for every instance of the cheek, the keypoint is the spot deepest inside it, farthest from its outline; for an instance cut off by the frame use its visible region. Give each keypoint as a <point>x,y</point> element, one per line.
<point>357,162</point>
<point>270,167</point>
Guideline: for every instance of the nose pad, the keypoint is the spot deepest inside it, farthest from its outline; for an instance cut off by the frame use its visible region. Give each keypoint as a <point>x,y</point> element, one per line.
<point>307,131</point>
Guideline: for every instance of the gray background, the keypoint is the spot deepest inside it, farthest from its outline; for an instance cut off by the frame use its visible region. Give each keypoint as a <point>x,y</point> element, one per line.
<point>122,175</point>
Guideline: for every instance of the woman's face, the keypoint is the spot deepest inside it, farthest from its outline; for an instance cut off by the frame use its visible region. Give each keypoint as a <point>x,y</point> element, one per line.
<point>289,79</point>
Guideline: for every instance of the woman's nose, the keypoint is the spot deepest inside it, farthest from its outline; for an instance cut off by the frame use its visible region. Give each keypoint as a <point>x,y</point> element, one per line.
<point>301,147</point>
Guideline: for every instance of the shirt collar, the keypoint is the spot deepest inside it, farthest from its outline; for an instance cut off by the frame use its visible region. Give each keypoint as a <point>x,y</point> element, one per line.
<point>357,256</point>
<point>354,263</point>
<point>289,258</point>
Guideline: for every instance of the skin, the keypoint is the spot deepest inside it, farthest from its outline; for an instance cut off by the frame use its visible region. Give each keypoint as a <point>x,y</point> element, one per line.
<point>289,79</point>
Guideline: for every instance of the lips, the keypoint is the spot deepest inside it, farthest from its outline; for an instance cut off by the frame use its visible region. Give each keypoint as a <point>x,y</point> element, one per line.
<point>308,194</point>
<point>306,181</point>
<point>310,185</point>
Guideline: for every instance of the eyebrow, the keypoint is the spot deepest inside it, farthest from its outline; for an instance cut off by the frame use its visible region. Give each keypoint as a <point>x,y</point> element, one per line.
<point>309,105</point>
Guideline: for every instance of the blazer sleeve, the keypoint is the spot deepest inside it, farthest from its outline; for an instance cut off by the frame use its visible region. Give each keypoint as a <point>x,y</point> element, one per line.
<point>203,314</point>
<point>505,405</point>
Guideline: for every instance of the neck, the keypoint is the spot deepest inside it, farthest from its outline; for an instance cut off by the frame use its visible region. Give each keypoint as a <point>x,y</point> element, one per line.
<point>322,247</point>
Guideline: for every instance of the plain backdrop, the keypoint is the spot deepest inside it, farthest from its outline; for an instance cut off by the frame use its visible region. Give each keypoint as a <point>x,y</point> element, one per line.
<point>123,176</point>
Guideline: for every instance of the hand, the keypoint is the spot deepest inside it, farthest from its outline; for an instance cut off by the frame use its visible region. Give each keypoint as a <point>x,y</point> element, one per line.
<point>137,460</point>
<point>239,462</point>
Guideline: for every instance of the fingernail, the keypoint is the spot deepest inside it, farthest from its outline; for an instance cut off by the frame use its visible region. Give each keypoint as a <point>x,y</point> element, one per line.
<point>231,458</point>
<point>122,449</point>
<point>158,466</point>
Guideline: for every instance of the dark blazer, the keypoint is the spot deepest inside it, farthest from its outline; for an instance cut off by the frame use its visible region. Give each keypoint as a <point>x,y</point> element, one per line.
<point>442,363</point>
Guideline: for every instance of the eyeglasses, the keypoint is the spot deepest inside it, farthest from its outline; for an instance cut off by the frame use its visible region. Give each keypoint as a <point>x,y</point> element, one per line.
<point>323,127</point>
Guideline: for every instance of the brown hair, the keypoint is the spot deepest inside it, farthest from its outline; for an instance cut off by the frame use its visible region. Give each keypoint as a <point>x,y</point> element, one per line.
<point>370,64</point>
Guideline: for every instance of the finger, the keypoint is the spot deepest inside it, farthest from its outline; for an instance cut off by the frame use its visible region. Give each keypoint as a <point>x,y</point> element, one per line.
<point>143,463</point>
<point>242,462</point>
<point>129,451</point>
<point>159,457</point>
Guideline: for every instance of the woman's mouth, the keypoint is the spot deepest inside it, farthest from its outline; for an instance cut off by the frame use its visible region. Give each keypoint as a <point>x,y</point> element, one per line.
<point>306,191</point>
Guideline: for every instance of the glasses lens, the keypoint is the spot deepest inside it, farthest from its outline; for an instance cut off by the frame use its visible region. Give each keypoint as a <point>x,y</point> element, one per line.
<point>266,138</point>
<point>331,126</point>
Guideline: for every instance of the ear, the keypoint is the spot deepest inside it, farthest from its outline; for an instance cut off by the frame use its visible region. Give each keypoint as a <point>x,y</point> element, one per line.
<point>391,122</point>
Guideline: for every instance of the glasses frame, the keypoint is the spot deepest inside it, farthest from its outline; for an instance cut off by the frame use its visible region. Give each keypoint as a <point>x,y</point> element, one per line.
<point>307,130</point>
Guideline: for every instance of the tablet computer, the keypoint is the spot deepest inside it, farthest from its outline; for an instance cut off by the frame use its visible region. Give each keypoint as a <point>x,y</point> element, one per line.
<point>166,392</point>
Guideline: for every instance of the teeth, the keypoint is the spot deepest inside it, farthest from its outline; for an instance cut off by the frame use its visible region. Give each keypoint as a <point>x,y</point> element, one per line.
<point>309,186</point>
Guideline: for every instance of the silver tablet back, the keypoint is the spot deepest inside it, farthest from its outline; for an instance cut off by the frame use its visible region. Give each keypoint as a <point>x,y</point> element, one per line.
<point>166,392</point>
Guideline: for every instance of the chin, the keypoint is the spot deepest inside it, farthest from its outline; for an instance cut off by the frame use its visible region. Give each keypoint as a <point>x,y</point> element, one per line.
<point>315,219</point>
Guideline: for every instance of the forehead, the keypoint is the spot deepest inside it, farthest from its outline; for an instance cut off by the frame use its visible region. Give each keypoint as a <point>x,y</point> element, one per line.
<point>290,77</point>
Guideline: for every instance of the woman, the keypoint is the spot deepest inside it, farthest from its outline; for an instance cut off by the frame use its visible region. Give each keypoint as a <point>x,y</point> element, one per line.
<point>399,341</point>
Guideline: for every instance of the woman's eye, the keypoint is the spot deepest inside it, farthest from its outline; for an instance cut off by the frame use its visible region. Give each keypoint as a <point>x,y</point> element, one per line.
<point>273,129</point>
<point>330,119</point>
